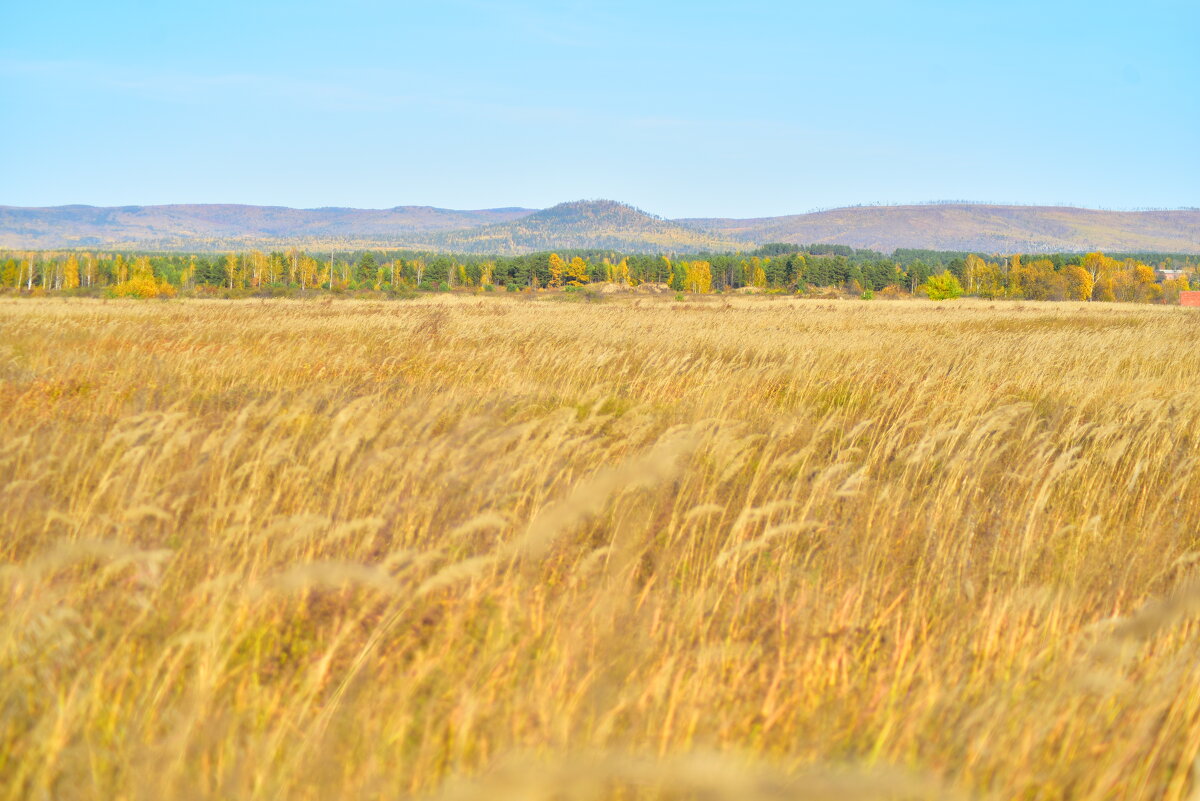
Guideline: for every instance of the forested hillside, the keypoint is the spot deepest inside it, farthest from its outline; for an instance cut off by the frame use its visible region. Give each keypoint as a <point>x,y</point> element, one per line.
<point>603,224</point>
<point>225,226</point>
<point>977,227</point>
<point>583,224</point>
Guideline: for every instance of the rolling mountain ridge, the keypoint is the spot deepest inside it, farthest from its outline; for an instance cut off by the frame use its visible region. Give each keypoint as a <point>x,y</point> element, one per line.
<point>197,225</point>
<point>584,224</point>
<point>974,227</point>
<point>599,224</point>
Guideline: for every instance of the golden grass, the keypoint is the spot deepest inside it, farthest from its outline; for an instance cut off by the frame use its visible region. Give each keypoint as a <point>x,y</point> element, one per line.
<point>509,548</point>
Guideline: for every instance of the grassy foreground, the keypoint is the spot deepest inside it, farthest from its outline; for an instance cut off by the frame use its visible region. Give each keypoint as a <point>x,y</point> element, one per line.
<point>519,549</point>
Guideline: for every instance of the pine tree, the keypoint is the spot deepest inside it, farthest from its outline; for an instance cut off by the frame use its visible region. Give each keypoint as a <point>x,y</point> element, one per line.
<point>367,268</point>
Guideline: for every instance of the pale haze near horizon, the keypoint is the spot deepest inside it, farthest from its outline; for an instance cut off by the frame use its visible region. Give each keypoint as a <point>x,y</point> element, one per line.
<point>683,109</point>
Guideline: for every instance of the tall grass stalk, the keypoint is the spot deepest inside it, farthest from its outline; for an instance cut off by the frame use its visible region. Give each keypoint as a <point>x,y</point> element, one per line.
<point>509,548</point>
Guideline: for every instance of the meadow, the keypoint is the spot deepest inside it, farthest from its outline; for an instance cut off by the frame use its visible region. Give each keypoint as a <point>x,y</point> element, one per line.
<point>507,547</point>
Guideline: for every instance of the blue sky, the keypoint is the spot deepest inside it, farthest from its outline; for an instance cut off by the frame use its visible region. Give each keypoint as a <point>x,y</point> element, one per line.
<point>682,108</point>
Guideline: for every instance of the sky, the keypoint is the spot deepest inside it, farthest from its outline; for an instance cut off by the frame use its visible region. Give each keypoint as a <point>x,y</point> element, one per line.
<point>684,109</point>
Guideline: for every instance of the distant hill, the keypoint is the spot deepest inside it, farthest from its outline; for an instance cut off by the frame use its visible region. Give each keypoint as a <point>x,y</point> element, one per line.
<point>971,227</point>
<point>601,224</point>
<point>226,225</point>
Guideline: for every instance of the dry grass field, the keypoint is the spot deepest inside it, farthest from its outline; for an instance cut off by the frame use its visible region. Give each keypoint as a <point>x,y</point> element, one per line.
<point>497,547</point>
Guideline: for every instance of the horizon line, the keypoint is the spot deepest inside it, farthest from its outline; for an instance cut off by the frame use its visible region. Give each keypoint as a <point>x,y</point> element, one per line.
<point>812,210</point>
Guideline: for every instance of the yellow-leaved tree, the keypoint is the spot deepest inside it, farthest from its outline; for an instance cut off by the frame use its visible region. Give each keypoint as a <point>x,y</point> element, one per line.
<point>1079,282</point>
<point>975,270</point>
<point>1036,280</point>
<point>1149,290</point>
<point>232,270</point>
<point>557,268</point>
<point>699,277</point>
<point>577,272</point>
<point>142,284</point>
<point>1102,270</point>
<point>757,275</point>
<point>987,278</point>
<point>1171,288</point>
<point>187,277</point>
<point>257,268</point>
<point>309,270</point>
<point>621,272</point>
<point>70,278</point>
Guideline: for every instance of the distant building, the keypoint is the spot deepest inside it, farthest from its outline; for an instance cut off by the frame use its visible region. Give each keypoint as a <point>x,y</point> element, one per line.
<point>1189,297</point>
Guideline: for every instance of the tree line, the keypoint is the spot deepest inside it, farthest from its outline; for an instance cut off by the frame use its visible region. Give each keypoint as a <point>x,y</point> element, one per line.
<point>771,268</point>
